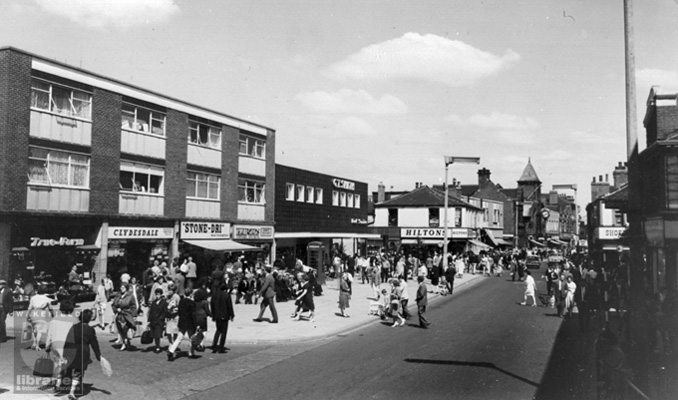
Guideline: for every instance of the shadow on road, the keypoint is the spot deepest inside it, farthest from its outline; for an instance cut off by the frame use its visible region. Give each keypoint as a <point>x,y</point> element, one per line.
<point>472,364</point>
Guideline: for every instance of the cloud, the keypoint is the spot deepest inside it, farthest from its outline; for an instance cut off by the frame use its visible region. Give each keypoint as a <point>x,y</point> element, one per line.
<point>116,13</point>
<point>656,77</point>
<point>497,126</point>
<point>559,155</point>
<point>348,101</point>
<point>423,57</point>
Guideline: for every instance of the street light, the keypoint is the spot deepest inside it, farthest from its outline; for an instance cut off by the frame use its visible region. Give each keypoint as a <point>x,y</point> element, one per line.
<point>452,160</point>
<point>572,186</point>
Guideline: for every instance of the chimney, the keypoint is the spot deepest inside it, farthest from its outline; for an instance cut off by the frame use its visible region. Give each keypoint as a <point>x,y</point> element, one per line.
<point>483,177</point>
<point>620,176</point>
<point>553,197</point>
<point>381,192</point>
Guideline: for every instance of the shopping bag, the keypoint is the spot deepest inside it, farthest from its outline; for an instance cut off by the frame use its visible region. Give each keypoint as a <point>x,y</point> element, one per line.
<point>44,366</point>
<point>106,367</point>
<point>197,338</point>
<point>26,332</point>
<point>146,337</point>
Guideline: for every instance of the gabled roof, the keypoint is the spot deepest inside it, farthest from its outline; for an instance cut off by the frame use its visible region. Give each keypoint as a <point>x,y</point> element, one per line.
<point>510,193</point>
<point>618,198</point>
<point>529,174</point>
<point>425,196</point>
<point>469,190</point>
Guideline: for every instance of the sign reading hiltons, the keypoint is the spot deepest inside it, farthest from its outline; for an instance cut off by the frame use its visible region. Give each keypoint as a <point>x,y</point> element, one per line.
<point>62,241</point>
<point>342,184</point>
<point>434,233</point>
<point>134,232</point>
<point>252,232</point>
<point>205,230</point>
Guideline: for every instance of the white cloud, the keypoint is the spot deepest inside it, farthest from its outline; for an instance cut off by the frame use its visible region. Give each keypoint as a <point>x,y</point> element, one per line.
<point>423,57</point>
<point>656,77</point>
<point>116,13</point>
<point>559,155</point>
<point>503,121</point>
<point>498,127</point>
<point>348,101</point>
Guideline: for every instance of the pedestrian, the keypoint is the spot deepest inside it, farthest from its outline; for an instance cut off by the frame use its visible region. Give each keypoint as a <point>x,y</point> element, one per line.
<point>157,313</point>
<point>570,288</point>
<point>202,312</point>
<point>158,283</point>
<point>125,309</point>
<point>172,317</point>
<point>191,274</point>
<point>530,289</point>
<point>100,305</point>
<point>344,295</point>
<point>217,278</point>
<point>375,277</point>
<point>267,292</point>
<point>38,314</point>
<point>450,274</point>
<point>6,308</point>
<point>222,313</point>
<point>304,299</point>
<point>396,306</point>
<point>57,337</point>
<point>147,281</point>
<point>78,352</point>
<point>404,296</point>
<point>180,278</point>
<point>108,285</point>
<point>422,302</point>
<point>186,326</point>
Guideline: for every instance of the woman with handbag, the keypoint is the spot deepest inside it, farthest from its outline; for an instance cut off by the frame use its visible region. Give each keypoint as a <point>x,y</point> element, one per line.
<point>39,313</point>
<point>78,352</point>
<point>186,325</point>
<point>202,312</point>
<point>125,308</point>
<point>157,313</point>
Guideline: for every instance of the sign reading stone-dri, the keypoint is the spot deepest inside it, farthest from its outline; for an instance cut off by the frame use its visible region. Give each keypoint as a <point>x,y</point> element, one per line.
<point>205,230</point>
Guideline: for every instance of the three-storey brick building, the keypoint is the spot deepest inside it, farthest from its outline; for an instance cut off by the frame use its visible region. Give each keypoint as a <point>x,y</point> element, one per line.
<point>97,172</point>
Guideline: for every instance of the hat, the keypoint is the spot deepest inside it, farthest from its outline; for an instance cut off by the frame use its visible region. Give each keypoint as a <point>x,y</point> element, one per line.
<point>183,269</point>
<point>3,282</point>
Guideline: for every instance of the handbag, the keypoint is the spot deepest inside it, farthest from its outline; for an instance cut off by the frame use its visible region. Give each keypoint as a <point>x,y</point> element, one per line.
<point>43,367</point>
<point>146,337</point>
<point>26,332</point>
<point>197,338</point>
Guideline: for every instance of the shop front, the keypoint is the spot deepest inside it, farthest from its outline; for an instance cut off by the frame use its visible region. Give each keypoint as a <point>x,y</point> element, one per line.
<point>662,253</point>
<point>607,246</point>
<point>131,249</point>
<point>261,237</point>
<point>425,241</point>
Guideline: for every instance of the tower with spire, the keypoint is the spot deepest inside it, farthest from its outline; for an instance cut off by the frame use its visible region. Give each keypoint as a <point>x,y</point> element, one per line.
<point>529,184</point>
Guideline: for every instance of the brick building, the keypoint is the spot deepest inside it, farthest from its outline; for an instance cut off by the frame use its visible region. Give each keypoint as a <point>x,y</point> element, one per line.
<point>109,176</point>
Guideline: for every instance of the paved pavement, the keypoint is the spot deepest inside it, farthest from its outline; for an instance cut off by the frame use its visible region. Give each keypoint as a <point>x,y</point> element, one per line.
<point>243,332</point>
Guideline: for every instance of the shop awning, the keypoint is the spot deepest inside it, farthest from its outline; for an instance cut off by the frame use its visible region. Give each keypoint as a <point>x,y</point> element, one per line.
<point>557,242</point>
<point>222,245</point>
<point>479,243</point>
<point>19,249</point>
<point>534,242</point>
<point>502,242</point>
<point>490,237</point>
<point>88,247</point>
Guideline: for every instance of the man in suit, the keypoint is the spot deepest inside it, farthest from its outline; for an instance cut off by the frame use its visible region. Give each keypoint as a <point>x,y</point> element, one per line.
<point>267,293</point>
<point>6,308</point>
<point>422,302</point>
<point>222,312</point>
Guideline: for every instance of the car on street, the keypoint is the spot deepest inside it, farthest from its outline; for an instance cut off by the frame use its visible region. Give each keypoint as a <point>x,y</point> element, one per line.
<point>533,262</point>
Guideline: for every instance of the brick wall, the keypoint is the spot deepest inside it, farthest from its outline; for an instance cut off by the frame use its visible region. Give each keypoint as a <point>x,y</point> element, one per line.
<point>105,163</point>
<point>229,173</point>
<point>15,101</point>
<point>176,155</point>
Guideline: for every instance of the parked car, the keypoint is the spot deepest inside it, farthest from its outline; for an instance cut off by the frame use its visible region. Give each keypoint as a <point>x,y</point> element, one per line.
<point>533,262</point>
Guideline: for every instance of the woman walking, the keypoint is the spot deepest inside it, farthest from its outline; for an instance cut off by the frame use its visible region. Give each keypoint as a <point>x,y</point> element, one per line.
<point>157,313</point>
<point>202,312</point>
<point>186,325</point>
<point>78,353</point>
<point>570,288</point>
<point>344,293</point>
<point>125,308</point>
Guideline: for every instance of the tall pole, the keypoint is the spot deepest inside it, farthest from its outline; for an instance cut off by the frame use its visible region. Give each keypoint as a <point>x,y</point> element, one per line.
<point>445,218</point>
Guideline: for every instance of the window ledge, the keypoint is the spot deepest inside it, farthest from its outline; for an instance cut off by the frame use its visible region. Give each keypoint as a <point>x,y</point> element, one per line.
<point>52,113</point>
<point>155,135</point>
<point>203,199</point>
<point>136,194</point>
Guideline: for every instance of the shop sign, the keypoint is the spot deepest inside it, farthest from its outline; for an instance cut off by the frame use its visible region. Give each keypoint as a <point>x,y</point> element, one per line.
<point>610,233</point>
<point>252,232</point>
<point>358,221</point>
<point>62,241</point>
<point>342,184</point>
<point>136,232</point>
<point>205,230</point>
<point>435,233</point>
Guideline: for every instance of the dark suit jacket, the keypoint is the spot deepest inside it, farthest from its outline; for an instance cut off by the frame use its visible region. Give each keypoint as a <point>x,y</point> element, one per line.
<point>77,352</point>
<point>186,315</point>
<point>422,296</point>
<point>268,287</point>
<point>222,306</point>
<point>7,300</point>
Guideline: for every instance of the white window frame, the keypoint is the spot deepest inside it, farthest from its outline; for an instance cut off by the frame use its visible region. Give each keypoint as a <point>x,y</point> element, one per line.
<point>143,187</point>
<point>290,192</point>
<point>309,194</point>
<point>50,158</point>
<point>252,147</point>
<point>257,189</point>
<point>301,192</point>
<point>349,200</point>
<point>318,195</point>
<point>136,126</point>
<point>342,199</point>
<point>335,198</point>
<point>211,180</point>
<point>356,198</point>
<point>213,135</point>
<point>76,97</point>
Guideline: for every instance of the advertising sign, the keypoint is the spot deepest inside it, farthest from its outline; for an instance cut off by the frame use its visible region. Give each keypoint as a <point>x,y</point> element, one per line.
<point>205,230</point>
<point>435,233</point>
<point>252,232</point>
<point>610,232</point>
<point>138,232</point>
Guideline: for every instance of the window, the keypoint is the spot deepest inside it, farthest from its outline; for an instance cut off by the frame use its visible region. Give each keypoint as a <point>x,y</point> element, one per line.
<point>309,194</point>
<point>318,195</point>
<point>143,120</point>
<point>342,199</point>
<point>357,200</point>
<point>141,178</point>
<point>60,99</point>
<point>202,186</point>
<point>300,193</point>
<point>349,200</point>
<point>251,191</point>
<point>290,192</point>
<point>457,217</point>
<point>392,217</point>
<point>250,146</point>
<point>335,198</point>
<point>204,135</point>
<point>672,182</point>
<point>58,168</point>
<point>433,217</point>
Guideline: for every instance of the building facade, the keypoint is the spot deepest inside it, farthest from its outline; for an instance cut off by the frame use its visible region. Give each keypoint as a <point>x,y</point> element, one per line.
<point>110,176</point>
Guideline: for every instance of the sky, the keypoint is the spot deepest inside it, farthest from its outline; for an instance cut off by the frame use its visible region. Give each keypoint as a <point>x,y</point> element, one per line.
<point>381,91</point>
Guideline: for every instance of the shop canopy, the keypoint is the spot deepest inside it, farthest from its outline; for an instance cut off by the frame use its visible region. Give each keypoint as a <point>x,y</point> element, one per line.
<point>502,242</point>
<point>557,242</point>
<point>490,237</point>
<point>222,245</point>
<point>479,244</point>
<point>534,242</point>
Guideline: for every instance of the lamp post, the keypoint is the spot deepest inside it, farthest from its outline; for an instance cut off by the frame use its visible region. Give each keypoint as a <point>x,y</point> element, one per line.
<point>572,186</point>
<point>452,160</point>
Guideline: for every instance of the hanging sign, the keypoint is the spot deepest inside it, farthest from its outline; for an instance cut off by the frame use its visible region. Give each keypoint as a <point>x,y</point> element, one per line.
<point>205,230</point>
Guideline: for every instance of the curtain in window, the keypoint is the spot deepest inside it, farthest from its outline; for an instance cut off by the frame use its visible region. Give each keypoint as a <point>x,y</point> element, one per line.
<point>40,95</point>
<point>61,101</point>
<point>79,170</point>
